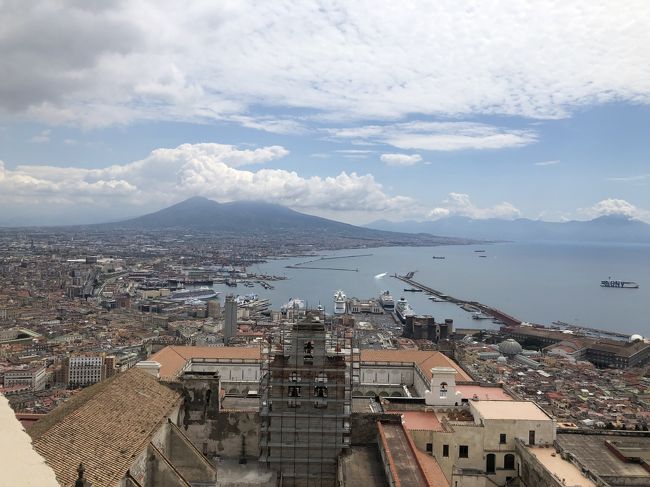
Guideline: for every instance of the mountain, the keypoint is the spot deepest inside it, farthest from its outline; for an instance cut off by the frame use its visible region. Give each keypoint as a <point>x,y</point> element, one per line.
<point>248,218</point>
<point>613,228</point>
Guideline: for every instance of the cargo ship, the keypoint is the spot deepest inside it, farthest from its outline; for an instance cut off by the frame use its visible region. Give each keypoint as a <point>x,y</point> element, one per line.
<point>403,309</point>
<point>619,284</point>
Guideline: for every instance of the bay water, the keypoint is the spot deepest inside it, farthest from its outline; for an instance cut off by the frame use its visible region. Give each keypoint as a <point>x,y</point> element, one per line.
<point>535,282</point>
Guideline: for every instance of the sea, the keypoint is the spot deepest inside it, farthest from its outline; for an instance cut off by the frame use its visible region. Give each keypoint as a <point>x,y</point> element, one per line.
<point>534,282</point>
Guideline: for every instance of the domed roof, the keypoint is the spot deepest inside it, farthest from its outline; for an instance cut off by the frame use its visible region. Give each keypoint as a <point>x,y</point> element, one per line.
<point>510,347</point>
<point>636,337</point>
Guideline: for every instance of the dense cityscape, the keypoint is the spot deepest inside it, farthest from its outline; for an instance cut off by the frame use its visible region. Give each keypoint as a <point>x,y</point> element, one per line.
<point>324,244</point>
<point>78,310</point>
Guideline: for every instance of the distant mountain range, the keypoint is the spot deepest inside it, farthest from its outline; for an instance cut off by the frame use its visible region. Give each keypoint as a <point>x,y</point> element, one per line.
<point>243,218</point>
<point>603,229</point>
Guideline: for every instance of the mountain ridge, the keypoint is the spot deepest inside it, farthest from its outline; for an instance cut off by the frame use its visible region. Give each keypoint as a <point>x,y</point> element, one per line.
<point>251,218</point>
<point>607,228</point>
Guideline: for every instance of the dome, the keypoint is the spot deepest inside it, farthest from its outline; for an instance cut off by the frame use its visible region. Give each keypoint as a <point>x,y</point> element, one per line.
<point>501,359</point>
<point>636,337</point>
<point>510,347</point>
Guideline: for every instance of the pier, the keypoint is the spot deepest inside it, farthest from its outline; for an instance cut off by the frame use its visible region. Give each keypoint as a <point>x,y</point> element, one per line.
<point>299,266</point>
<point>488,310</point>
<point>302,265</point>
<point>505,318</point>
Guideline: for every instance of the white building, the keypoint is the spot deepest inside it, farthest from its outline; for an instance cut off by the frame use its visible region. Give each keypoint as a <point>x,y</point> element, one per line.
<point>85,370</point>
<point>34,377</point>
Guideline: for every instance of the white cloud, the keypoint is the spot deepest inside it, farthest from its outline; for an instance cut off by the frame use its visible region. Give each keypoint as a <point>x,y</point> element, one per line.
<point>42,137</point>
<point>400,159</point>
<point>101,63</point>
<point>436,136</point>
<point>547,163</point>
<point>211,170</point>
<point>615,206</point>
<point>459,204</point>
<point>630,179</point>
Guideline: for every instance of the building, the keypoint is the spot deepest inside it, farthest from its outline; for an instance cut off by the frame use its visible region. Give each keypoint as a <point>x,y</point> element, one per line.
<point>365,306</point>
<point>34,377</point>
<point>230,319</point>
<point>214,308</point>
<point>618,354</point>
<point>125,431</point>
<point>87,369</point>
<point>425,327</point>
<point>305,402</point>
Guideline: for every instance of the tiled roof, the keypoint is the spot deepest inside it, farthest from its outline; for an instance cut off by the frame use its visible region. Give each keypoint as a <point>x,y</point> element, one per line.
<point>173,358</point>
<point>421,420</point>
<point>103,427</point>
<point>425,360</point>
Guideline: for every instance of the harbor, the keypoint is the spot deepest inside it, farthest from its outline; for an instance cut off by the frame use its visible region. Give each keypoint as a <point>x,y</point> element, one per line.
<point>497,315</point>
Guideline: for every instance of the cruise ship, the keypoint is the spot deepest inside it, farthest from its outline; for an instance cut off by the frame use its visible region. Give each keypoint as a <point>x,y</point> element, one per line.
<point>202,292</point>
<point>403,309</point>
<point>619,284</point>
<point>386,300</point>
<point>339,302</point>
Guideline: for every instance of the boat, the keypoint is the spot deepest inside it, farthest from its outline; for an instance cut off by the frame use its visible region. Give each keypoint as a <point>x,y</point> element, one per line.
<point>484,256</point>
<point>481,250</point>
<point>437,257</point>
<point>386,300</point>
<point>403,309</point>
<point>339,302</point>
<point>412,290</point>
<point>202,293</point>
<point>480,316</point>
<point>619,284</point>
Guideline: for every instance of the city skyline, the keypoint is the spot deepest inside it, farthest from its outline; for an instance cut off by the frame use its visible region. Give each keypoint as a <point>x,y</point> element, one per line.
<point>346,111</point>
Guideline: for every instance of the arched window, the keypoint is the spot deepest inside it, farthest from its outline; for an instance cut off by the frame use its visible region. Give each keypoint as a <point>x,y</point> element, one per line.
<point>509,462</point>
<point>443,390</point>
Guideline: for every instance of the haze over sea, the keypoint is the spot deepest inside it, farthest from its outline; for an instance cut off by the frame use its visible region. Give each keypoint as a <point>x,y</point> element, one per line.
<point>535,282</point>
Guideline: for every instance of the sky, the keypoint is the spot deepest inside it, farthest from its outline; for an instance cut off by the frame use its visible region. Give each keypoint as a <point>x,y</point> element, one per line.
<point>355,111</point>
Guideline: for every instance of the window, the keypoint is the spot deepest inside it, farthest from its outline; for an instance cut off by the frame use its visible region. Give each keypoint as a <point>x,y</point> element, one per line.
<point>320,391</point>
<point>502,438</point>
<point>429,447</point>
<point>445,450</point>
<point>509,462</point>
<point>463,451</point>
<point>294,391</point>
<point>531,437</point>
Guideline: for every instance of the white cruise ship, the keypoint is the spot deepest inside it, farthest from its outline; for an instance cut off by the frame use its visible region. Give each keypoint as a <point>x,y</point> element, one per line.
<point>386,300</point>
<point>339,302</point>
<point>202,293</point>
<point>403,309</point>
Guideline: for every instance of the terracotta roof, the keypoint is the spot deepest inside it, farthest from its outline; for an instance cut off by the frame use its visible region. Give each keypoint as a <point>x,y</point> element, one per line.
<point>431,469</point>
<point>425,360</point>
<point>173,358</point>
<point>103,427</point>
<point>420,420</point>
